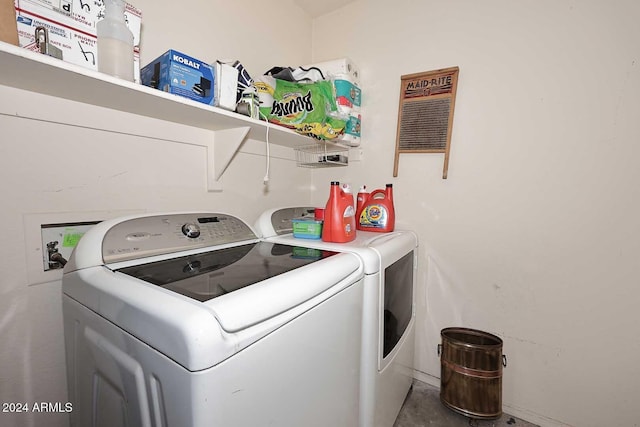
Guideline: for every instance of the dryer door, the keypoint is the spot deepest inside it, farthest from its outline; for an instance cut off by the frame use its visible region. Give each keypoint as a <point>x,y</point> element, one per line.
<point>398,301</point>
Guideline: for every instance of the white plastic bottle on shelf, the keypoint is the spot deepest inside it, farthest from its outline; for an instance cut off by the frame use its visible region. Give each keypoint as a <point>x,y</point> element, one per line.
<point>115,42</point>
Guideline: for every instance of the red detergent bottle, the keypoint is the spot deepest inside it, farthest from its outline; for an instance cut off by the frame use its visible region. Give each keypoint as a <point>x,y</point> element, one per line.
<point>339,216</point>
<point>346,188</point>
<point>361,199</point>
<point>378,213</point>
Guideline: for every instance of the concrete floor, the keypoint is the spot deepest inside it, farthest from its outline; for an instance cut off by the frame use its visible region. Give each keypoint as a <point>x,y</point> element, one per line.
<point>422,408</point>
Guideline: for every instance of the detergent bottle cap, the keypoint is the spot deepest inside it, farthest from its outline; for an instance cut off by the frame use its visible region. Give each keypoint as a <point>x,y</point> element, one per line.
<point>346,188</point>
<point>389,192</point>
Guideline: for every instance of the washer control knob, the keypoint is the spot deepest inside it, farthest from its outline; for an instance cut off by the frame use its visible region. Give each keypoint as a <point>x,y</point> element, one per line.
<point>191,230</point>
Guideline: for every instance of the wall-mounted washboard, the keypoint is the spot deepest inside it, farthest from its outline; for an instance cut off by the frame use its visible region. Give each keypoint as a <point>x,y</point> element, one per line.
<point>425,114</point>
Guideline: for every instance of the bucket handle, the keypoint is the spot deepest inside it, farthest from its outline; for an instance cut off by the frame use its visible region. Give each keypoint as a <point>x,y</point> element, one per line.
<point>504,356</point>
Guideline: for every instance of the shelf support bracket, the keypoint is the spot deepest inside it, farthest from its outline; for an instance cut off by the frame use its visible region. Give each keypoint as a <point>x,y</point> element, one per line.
<point>220,152</point>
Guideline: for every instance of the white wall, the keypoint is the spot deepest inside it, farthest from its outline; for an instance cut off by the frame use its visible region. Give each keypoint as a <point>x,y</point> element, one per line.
<point>67,160</point>
<point>534,235</point>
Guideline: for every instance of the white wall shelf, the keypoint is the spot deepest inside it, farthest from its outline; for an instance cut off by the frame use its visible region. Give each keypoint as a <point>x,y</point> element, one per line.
<point>31,71</point>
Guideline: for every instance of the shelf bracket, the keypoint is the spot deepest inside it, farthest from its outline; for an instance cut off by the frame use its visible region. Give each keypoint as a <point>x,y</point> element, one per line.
<point>220,152</point>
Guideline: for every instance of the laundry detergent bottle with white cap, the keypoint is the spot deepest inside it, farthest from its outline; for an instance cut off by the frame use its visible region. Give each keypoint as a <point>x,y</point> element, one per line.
<point>339,216</point>
<point>346,188</point>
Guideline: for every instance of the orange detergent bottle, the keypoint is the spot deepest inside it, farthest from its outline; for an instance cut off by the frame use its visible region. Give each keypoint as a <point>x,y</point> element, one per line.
<point>361,199</point>
<point>378,213</point>
<point>339,216</point>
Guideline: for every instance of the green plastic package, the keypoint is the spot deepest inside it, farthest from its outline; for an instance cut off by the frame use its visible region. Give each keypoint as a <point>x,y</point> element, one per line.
<point>308,108</point>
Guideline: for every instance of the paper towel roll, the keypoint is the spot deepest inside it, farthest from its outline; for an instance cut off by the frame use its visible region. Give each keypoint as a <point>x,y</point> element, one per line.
<point>338,66</point>
<point>351,135</point>
<point>348,95</point>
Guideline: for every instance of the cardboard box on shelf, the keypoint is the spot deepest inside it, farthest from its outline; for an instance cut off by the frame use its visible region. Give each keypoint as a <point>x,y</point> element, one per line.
<point>71,27</point>
<point>8,31</point>
<point>180,74</point>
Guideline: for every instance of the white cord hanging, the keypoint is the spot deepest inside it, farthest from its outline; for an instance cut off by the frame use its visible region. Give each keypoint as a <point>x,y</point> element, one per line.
<point>265,180</point>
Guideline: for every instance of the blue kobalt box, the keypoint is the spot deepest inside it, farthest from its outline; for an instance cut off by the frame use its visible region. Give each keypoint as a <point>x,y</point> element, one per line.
<point>175,72</point>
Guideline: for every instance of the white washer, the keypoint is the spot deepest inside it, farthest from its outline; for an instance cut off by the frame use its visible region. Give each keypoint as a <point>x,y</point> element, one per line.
<point>190,320</point>
<point>390,264</point>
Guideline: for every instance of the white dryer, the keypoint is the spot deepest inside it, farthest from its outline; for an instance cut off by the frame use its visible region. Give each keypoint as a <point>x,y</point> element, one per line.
<point>388,330</point>
<point>190,320</point>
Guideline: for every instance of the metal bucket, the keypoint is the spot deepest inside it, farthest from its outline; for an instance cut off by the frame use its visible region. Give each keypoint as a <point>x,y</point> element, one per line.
<point>471,364</point>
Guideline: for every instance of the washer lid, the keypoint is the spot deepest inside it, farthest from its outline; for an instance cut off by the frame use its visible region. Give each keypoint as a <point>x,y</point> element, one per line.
<point>286,293</point>
<point>208,275</point>
<point>250,283</point>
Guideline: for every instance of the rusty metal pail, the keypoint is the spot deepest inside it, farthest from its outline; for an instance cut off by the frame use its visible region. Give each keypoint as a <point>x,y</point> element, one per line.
<point>471,364</point>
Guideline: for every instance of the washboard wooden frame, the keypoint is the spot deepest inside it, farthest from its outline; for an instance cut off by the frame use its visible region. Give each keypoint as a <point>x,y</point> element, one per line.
<point>425,114</point>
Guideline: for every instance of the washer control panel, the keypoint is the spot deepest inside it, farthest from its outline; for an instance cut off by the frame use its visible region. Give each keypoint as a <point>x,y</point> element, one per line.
<point>163,234</point>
